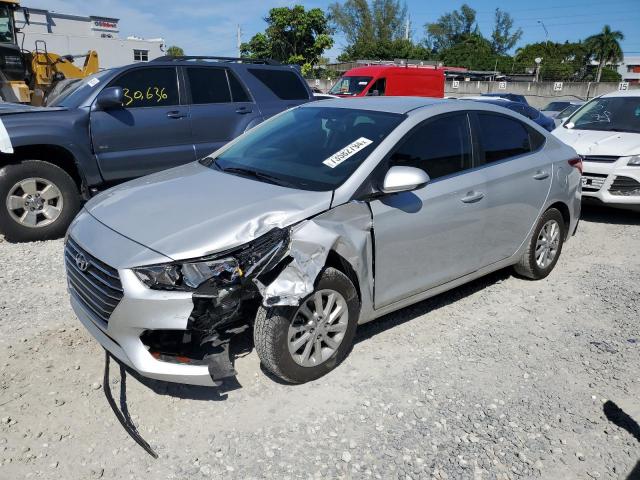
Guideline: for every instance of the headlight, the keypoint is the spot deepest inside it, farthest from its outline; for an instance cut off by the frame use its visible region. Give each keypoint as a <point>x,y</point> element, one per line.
<point>248,261</point>
<point>634,161</point>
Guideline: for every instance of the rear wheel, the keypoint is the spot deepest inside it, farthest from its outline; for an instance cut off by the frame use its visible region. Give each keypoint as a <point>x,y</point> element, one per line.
<point>299,344</point>
<point>544,247</point>
<point>38,201</point>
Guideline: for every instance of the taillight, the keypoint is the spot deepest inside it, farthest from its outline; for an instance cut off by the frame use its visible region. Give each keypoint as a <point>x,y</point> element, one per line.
<point>576,163</point>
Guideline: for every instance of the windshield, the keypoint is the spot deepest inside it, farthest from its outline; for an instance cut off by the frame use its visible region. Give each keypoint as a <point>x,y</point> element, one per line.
<point>568,111</point>
<point>555,106</point>
<point>611,114</point>
<point>6,24</point>
<point>311,148</point>
<point>72,93</point>
<point>350,85</point>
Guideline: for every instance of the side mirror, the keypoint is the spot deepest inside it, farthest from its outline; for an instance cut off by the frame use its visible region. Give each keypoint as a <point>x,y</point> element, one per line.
<point>374,93</point>
<point>404,179</point>
<point>110,97</point>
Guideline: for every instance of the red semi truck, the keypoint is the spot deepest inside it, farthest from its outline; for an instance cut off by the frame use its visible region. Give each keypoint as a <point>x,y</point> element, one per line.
<point>391,80</point>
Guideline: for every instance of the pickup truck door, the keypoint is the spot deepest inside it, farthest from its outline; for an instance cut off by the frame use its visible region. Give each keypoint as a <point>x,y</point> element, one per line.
<point>150,133</point>
<point>220,108</point>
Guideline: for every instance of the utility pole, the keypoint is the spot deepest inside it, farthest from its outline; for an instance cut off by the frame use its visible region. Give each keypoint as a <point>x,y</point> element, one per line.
<point>239,39</point>
<point>546,32</point>
<point>407,29</point>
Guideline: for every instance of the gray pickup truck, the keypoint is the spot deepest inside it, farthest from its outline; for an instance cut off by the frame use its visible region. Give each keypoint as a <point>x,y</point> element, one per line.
<point>124,123</point>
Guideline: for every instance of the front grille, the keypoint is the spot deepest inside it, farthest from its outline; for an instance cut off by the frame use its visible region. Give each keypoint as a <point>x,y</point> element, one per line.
<point>592,182</point>
<point>624,186</point>
<point>600,158</point>
<point>97,287</point>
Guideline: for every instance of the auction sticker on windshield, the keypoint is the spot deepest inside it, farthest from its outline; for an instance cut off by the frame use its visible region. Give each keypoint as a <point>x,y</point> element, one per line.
<point>337,158</point>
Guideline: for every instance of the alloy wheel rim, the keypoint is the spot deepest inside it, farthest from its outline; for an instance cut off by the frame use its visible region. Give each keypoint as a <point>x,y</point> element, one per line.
<point>547,244</point>
<point>318,328</point>
<point>34,202</point>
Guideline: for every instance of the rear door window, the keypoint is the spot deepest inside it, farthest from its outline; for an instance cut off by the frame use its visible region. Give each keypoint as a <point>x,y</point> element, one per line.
<point>208,85</point>
<point>502,137</point>
<point>238,91</point>
<point>440,147</point>
<point>149,87</point>
<point>284,84</point>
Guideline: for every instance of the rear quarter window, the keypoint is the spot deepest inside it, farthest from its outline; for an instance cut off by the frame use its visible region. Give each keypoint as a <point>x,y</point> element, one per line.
<point>285,85</point>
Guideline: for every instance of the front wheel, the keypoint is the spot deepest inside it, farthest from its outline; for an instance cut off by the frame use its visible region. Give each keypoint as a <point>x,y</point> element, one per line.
<point>300,344</point>
<point>38,201</point>
<point>544,248</point>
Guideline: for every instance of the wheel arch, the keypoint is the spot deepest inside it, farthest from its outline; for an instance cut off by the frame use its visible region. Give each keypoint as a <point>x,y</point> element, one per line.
<point>53,154</point>
<point>563,208</point>
<point>337,261</point>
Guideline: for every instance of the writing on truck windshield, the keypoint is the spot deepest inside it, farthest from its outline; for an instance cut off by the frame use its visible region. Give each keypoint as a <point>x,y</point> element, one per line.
<point>350,85</point>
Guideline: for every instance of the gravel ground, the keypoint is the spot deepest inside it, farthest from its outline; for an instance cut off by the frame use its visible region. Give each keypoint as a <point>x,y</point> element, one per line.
<point>502,378</point>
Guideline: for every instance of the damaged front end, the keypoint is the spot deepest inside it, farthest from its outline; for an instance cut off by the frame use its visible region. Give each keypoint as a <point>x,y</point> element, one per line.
<point>279,268</point>
<point>226,295</point>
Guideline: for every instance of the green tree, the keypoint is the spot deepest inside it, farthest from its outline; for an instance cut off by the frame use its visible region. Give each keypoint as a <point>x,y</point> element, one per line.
<point>451,28</point>
<point>293,36</point>
<point>605,47</point>
<point>472,51</point>
<point>175,51</point>
<point>502,40</point>
<point>560,61</point>
<point>374,30</point>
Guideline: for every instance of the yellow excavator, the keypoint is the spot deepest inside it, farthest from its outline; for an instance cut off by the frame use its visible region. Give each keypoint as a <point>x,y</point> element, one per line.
<point>27,76</point>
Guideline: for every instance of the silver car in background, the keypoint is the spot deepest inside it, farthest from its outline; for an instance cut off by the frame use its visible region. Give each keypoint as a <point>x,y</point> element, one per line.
<point>327,216</point>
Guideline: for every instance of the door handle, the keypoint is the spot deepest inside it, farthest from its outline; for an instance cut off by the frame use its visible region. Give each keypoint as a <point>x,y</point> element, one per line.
<point>243,110</point>
<point>472,197</point>
<point>175,114</point>
<point>541,175</point>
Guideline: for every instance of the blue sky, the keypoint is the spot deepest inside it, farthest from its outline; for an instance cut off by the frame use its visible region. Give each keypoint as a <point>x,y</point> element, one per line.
<point>209,27</point>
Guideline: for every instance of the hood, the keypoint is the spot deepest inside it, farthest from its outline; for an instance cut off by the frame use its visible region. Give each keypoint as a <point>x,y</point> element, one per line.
<point>10,108</point>
<point>193,210</point>
<point>598,142</point>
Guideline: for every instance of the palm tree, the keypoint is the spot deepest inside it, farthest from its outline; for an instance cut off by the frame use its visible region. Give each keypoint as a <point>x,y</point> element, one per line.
<point>605,47</point>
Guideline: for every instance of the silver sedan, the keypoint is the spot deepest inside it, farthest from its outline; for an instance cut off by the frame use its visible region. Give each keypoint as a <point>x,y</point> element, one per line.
<point>325,217</point>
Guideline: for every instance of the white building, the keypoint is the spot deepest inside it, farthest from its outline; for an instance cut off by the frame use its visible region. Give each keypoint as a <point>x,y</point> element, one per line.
<point>76,35</point>
<point>630,69</point>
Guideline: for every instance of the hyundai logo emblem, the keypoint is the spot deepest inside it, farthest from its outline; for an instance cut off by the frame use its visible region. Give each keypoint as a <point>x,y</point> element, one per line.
<point>81,262</point>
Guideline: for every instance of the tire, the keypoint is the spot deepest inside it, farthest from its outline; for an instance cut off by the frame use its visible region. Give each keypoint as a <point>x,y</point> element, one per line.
<point>273,327</point>
<point>529,265</point>
<point>43,217</point>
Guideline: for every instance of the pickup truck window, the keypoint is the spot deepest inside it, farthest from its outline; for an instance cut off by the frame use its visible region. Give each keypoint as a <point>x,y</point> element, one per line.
<point>285,85</point>
<point>208,85</point>
<point>149,87</point>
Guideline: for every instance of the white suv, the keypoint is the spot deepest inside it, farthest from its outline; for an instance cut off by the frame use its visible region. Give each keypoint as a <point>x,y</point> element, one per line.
<point>606,132</point>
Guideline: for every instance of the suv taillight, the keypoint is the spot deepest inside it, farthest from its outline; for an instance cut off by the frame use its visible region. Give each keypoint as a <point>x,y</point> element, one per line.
<point>576,163</point>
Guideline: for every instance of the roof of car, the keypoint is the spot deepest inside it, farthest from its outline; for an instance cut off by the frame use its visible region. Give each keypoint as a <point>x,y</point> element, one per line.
<point>626,93</point>
<point>381,104</point>
<point>372,70</point>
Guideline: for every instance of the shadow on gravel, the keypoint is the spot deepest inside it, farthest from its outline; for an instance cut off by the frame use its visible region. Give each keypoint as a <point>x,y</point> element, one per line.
<point>619,417</point>
<point>609,215</point>
<point>412,312</point>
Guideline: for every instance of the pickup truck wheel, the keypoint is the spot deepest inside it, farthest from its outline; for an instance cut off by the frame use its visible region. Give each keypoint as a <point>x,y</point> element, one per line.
<point>38,201</point>
<point>300,344</point>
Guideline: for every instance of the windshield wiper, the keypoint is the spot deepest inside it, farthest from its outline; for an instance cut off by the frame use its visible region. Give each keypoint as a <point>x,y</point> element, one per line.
<point>257,175</point>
